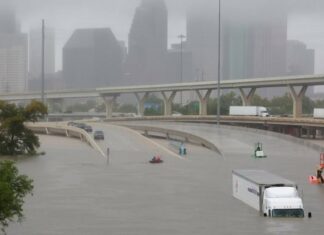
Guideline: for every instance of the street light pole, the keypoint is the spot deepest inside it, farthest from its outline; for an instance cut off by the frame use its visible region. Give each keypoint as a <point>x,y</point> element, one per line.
<point>219,64</point>
<point>181,36</point>
<point>43,61</point>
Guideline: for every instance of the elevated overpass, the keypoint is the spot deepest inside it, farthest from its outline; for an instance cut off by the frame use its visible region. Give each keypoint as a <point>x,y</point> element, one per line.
<point>298,127</point>
<point>247,88</point>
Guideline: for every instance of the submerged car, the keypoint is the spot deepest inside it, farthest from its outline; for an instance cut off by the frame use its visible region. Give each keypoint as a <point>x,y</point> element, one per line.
<point>80,125</point>
<point>98,135</point>
<point>71,123</point>
<point>87,128</point>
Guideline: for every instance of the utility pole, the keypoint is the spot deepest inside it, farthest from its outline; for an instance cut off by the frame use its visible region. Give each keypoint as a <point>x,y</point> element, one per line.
<point>219,64</point>
<point>43,61</point>
<point>181,36</point>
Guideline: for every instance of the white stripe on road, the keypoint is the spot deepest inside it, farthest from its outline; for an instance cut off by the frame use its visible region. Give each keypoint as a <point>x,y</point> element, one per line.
<point>149,141</point>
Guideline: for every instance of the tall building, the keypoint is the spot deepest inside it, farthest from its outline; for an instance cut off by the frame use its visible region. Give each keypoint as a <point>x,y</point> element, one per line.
<point>8,22</point>
<point>249,48</point>
<point>92,58</point>
<point>202,38</point>
<point>148,43</point>
<point>13,54</point>
<point>236,49</point>
<point>35,53</point>
<point>269,47</point>
<point>179,65</point>
<point>300,59</point>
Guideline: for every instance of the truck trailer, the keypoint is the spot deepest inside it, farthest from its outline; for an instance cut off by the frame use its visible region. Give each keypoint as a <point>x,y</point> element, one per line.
<point>248,111</point>
<point>318,113</point>
<point>271,195</point>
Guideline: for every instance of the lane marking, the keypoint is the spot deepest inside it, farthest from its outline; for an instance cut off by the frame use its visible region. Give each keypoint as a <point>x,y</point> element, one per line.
<point>148,140</point>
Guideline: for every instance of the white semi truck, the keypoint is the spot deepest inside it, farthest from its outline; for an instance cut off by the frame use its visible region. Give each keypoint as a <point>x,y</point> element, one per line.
<point>318,113</point>
<point>248,111</point>
<point>271,195</point>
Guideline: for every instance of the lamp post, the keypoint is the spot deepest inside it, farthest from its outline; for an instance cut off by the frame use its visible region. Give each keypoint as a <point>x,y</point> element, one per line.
<point>219,64</point>
<point>181,36</point>
<point>43,61</point>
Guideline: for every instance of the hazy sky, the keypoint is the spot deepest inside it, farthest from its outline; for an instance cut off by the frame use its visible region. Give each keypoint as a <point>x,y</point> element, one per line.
<point>305,23</point>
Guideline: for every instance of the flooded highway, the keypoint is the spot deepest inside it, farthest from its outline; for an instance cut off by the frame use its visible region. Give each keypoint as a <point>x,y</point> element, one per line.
<point>76,192</point>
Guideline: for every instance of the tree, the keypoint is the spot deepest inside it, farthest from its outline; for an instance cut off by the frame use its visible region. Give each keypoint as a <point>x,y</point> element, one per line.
<point>282,105</point>
<point>227,100</point>
<point>154,106</point>
<point>127,108</point>
<point>13,189</point>
<point>308,105</point>
<point>15,138</point>
<point>257,100</point>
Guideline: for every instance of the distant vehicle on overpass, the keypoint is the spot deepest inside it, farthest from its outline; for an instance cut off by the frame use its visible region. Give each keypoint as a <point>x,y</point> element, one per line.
<point>318,113</point>
<point>248,111</point>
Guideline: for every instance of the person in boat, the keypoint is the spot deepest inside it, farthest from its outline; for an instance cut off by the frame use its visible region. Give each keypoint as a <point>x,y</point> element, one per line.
<point>156,159</point>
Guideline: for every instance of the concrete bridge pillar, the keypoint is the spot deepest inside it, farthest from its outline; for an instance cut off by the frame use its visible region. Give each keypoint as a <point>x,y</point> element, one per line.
<point>247,98</point>
<point>140,102</point>
<point>168,99</point>
<point>298,100</point>
<point>203,101</point>
<point>109,103</point>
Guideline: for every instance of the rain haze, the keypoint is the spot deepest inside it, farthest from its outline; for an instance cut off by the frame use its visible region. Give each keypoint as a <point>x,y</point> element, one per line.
<point>305,18</point>
<point>138,137</point>
<point>285,31</point>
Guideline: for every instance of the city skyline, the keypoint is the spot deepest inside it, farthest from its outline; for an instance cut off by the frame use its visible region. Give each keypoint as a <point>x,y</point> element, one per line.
<point>13,54</point>
<point>118,17</point>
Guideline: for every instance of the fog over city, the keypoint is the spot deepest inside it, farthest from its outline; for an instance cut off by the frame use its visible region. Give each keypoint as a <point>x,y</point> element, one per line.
<point>255,20</point>
<point>161,117</point>
<point>65,15</point>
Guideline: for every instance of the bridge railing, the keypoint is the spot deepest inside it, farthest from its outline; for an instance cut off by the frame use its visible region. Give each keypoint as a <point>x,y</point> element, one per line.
<point>180,136</point>
<point>64,130</point>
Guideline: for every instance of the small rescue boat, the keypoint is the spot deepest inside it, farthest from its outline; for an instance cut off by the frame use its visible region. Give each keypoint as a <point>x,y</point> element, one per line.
<point>156,160</point>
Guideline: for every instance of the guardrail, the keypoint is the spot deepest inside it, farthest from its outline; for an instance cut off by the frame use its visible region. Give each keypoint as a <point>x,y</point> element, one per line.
<point>64,130</point>
<point>174,135</point>
<point>310,122</point>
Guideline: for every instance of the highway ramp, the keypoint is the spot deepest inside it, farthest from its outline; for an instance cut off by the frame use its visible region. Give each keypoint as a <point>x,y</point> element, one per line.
<point>76,192</point>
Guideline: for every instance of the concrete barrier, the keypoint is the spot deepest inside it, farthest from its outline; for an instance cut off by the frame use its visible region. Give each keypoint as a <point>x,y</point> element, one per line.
<point>62,129</point>
<point>174,135</point>
<point>290,138</point>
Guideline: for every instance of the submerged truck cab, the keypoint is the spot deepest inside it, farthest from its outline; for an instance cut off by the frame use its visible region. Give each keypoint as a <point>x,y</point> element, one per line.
<point>271,195</point>
<point>282,202</point>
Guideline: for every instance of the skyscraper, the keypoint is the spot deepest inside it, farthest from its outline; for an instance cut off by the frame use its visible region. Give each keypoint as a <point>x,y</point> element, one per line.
<point>202,38</point>
<point>13,54</point>
<point>148,43</point>
<point>300,59</point>
<point>35,52</point>
<point>269,47</point>
<point>251,45</point>
<point>8,22</point>
<point>92,58</point>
